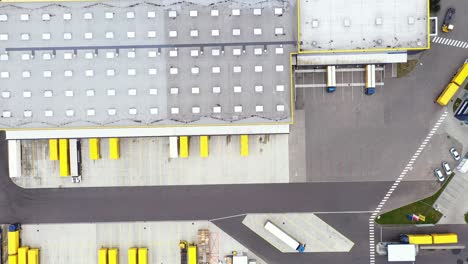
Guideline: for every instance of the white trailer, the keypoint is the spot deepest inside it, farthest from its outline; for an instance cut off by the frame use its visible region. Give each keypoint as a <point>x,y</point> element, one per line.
<point>14,158</point>
<point>283,236</point>
<point>331,79</point>
<point>74,157</point>
<point>173,148</point>
<point>401,252</point>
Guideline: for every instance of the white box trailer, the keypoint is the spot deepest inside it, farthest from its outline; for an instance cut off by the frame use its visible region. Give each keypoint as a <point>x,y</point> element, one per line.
<point>14,158</point>
<point>401,252</point>
<point>75,159</point>
<point>283,236</point>
<point>173,148</point>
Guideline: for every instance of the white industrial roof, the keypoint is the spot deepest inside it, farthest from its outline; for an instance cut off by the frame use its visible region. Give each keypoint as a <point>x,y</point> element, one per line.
<point>334,25</point>
<point>130,63</point>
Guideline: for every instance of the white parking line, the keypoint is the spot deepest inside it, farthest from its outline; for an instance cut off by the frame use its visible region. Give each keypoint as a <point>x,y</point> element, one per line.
<point>393,188</point>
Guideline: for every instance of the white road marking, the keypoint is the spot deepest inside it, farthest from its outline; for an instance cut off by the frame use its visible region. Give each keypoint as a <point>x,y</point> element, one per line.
<point>395,184</point>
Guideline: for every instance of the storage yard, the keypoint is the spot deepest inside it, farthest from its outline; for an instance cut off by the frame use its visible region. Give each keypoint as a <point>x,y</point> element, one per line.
<point>139,242</point>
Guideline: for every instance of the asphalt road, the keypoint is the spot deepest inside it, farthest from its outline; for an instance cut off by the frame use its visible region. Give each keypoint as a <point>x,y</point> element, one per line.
<point>158,203</point>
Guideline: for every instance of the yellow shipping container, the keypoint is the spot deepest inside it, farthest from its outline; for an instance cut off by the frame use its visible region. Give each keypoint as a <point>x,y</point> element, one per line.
<point>64,157</point>
<point>184,147</point>
<point>53,149</point>
<point>461,75</point>
<point>204,146</point>
<point>132,256</point>
<point>33,256</point>
<point>114,148</point>
<point>13,242</point>
<point>94,152</point>
<point>449,238</point>
<point>142,256</point>
<point>420,239</point>
<point>244,145</point>
<point>102,256</point>
<point>192,254</point>
<point>13,259</point>
<point>449,91</point>
<point>113,256</point>
<point>23,255</point>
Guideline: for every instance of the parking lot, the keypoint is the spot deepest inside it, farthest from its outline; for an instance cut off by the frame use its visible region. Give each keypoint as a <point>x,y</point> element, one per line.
<point>145,161</point>
<point>161,238</point>
<point>350,136</point>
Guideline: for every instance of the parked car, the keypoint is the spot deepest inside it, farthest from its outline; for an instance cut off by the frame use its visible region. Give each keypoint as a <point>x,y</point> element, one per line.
<point>439,175</point>
<point>455,154</point>
<point>446,168</point>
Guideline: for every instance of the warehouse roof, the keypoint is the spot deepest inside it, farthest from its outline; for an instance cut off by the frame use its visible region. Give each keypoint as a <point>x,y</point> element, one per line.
<point>130,63</point>
<point>337,25</point>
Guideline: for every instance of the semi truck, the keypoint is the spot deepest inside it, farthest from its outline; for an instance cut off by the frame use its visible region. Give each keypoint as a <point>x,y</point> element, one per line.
<point>452,88</point>
<point>447,26</point>
<point>370,79</point>
<point>331,79</point>
<point>429,239</point>
<point>283,236</point>
<point>183,251</point>
<point>13,238</point>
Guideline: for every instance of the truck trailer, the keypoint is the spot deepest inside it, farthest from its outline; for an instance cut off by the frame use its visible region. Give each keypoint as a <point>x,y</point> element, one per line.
<point>429,239</point>
<point>283,236</point>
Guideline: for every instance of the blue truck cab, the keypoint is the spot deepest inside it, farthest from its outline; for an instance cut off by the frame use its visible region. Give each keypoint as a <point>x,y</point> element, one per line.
<point>331,89</point>
<point>14,227</point>
<point>301,248</point>
<point>370,90</point>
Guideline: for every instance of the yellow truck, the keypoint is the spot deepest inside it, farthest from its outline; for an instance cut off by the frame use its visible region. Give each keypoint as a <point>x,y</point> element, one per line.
<point>451,89</point>
<point>192,254</point>
<point>449,238</point>
<point>102,256</point>
<point>13,239</point>
<point>429,239</point>
<point>143,256</point>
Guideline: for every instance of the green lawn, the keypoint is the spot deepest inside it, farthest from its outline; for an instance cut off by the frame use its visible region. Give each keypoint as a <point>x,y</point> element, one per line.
<point>466,218</point>
<point>424,207</point>
<point>404,69</point>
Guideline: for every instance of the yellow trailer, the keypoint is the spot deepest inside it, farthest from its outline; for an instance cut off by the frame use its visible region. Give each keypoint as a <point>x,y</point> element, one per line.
<point>53,149</point>
<point>447,94</point>
<point>23,255</point>
<point>94,153</point>
<point>13,259</point>
<point>192,254</point>
<point>13,242</point>
<point>114,148</point>
<point>102,256</point>
<point>204,146</point>
<point>449,238</point>
<point>184,147</point>
<point>132,256</point>
<point>64,157</point>
<point>244,145</point>
<point>462,74</point>
<point>33,256</point>
<point>113,255</point>
<point>418,239</point>
<point>142,256</point>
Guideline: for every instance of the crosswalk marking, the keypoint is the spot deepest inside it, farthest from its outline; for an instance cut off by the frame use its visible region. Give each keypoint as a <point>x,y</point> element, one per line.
<point>450,42</point>
<point>395,184</point>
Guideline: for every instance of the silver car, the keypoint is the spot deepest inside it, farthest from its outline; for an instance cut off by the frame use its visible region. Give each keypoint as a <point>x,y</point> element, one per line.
<point>446,168</point>
<point>438,173</point>
<point>455,154</point>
